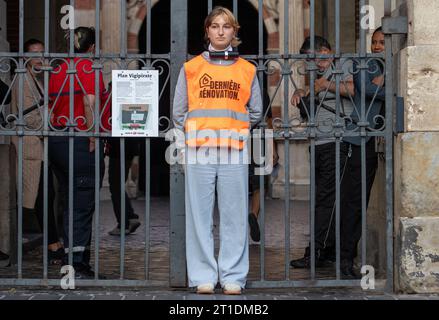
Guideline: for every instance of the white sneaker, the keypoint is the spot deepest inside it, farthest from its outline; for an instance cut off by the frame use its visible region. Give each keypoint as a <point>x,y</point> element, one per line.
<point>206,288</point>
<point>232,289</point>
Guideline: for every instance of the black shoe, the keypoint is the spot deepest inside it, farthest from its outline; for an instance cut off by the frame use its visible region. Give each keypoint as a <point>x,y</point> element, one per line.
<point>133,224</point>
<point>347,270</point>
<point>55,257</point>
<point>255,233</point>
<point>305,263</point>
<point>85,272</point>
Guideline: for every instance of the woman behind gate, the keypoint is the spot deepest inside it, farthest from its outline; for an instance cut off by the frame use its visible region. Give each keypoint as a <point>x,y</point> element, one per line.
<point>374,107</point>
<point>217,97</point>
<point>33,148</point>
<point>84,147</point>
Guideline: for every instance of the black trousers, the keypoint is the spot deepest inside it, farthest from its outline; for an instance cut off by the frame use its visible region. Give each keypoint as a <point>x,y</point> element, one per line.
<point>131,150</point>
<point>83,191</point>
<point>52,233</point>
<point>351,211</point>
<point>325,173</point>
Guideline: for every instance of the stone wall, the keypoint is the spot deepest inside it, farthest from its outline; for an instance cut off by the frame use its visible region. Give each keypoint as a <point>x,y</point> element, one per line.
<point>416,156</point>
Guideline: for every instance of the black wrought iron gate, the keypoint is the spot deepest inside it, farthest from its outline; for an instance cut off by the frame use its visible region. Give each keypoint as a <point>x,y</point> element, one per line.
<point>285,67</point>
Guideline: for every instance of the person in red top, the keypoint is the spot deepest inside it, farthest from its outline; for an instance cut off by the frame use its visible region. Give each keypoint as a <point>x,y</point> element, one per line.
<point>84,94</point>
<point>82,119</point>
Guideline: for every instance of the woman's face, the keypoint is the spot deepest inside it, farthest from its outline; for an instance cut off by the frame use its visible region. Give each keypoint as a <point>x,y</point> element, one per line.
<point>220,33</point>
<point>35,63</point>
<point>378,42</point>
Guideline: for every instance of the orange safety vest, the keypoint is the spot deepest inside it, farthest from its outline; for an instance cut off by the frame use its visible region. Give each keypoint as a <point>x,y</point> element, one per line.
<point>217,100</point>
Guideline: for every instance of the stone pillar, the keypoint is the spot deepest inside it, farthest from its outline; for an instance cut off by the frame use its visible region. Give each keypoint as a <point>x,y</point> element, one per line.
<point>85,13</point>
<point>110,33</point>
<point>416,153</point>
<point>299,158</point>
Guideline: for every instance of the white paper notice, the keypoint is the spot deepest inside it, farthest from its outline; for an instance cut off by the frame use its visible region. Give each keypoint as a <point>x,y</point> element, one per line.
<point>135,108</point>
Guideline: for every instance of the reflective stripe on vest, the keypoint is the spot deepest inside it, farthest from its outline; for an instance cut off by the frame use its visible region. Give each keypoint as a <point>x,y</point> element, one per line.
<point>218,113</point>
<point>217,138</point>
<point>217,100</point>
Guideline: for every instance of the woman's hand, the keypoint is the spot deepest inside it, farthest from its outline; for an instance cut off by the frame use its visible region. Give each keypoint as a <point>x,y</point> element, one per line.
<point>379,81</point>
<point>295,99</point>
<point>92,144</point>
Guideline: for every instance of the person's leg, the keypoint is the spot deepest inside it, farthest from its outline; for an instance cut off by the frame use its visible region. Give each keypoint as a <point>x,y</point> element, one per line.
<point>83,194</point>
<point>256,202</point>
<point>255,232</point>
<point>52,233</point>
<point>115,183</point>
<point>60,195</point>
<point>58,157</point>
<point>352,215</point>
<point>4,260</point>
<point>305,262</point>
<point>200,199</point>
<point>325,195</point>
<point>83,200</point>
<point>328,249</point>
<point>324,227</point>
<point>233,260</point>
<point>131,150</point>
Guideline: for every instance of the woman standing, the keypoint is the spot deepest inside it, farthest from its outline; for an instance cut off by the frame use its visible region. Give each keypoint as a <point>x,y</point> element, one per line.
<point>374,105</point>
<point>84,147</point>
<point>33,168</point>
<point>217,97</point>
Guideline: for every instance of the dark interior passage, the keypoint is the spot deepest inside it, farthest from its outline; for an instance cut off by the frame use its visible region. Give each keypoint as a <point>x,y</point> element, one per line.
<point>160,44</point>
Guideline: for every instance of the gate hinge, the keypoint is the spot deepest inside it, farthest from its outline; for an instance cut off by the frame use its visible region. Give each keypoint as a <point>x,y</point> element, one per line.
<point>395,25</point>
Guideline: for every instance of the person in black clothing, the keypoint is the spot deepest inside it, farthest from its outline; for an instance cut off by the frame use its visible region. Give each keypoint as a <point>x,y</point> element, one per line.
<point>5,98</point>
<point>325,149</point>
<point>352,209</point>
<point>4,94</point>
<point>113,152</point>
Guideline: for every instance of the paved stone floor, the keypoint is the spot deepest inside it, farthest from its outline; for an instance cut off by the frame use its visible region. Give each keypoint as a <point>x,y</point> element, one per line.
<point>184,294</point>
<point>109,246</point>
<point>109,255</point>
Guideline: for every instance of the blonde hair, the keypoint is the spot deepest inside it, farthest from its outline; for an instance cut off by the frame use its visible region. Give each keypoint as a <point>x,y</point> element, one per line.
<point>229,17</point>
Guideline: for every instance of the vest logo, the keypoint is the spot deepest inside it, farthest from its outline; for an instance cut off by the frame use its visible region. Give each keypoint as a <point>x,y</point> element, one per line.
<point>205,80</point>
<point>210,88</point>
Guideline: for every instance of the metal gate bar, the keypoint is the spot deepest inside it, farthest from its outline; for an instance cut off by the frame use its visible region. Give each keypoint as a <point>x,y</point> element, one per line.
<point>98,143</point>
<point>389,151</point>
